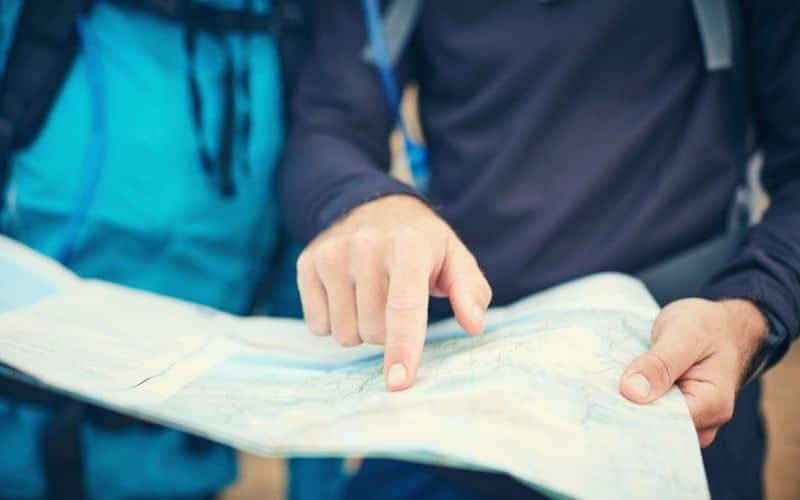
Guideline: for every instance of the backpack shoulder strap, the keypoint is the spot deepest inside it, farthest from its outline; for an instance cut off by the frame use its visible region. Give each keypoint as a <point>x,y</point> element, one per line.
<point>398,26</point>
<point>42,52</point>
<point>714,19</point>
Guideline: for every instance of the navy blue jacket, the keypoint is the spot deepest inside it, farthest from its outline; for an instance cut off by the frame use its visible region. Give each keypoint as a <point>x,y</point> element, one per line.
<point>565,138</point>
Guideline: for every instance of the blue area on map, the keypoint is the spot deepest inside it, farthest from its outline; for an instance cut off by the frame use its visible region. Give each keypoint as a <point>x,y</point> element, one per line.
<point>20,287</point>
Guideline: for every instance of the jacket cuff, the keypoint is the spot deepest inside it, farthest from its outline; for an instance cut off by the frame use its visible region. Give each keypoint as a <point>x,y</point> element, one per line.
<point>346,197</point>
<point>774,302</point>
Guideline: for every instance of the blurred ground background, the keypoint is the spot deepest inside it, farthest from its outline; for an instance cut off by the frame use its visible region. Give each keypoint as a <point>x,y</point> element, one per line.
<point>781,404</point>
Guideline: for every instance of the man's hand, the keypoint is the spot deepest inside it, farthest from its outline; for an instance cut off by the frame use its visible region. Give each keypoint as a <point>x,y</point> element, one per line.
<point>369,277</point>
<point>705,347</point>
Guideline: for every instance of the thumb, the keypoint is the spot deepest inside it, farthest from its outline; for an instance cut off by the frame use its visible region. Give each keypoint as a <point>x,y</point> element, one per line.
<point>653,373</point>
<point>463,282</point>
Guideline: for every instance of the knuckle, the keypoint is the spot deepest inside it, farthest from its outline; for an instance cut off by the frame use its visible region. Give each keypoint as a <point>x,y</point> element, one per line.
<point>402,236</point>
<point>696,340</point>
<point>328,254</point>
<point>304,264</point>
<point>400,344</point>
<point>690,326</point>
<point>404,300</point>
<point>365,242</point>
<point>659,367</point>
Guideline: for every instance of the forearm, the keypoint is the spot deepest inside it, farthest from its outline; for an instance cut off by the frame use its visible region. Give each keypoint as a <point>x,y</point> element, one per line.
<point>323,178</point>
<point>766,270</point>
<point>338,152</point>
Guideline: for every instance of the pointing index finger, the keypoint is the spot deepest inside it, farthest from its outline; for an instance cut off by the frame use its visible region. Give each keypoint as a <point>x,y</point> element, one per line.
<point>406,319</point>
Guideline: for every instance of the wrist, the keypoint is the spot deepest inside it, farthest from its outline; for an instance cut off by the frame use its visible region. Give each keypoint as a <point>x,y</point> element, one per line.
<point>393,209</point>
<point>750,328</point>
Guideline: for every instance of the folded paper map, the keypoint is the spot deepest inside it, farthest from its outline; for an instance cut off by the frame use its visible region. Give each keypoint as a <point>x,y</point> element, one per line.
<point>534,396</point>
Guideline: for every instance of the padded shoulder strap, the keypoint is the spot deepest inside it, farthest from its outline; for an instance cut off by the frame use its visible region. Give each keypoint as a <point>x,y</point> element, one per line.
<point>398,26</point>
<point>714,19</point>
<point>42,52</point>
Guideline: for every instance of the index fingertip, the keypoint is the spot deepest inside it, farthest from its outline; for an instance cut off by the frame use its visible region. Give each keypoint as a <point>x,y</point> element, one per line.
<point>472,319</point>
<point>397,377</point>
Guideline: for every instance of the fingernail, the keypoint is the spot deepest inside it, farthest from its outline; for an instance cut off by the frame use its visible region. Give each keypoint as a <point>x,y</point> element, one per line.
<point>639,384</point>
<point>396,376</point>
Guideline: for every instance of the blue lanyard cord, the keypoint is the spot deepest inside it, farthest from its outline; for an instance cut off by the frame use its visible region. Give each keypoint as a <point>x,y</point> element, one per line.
<point>417,153</point>
<point>96,144</point>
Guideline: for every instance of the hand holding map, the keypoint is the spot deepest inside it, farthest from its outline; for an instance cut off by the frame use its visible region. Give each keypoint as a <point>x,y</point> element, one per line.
<point>535,396</point>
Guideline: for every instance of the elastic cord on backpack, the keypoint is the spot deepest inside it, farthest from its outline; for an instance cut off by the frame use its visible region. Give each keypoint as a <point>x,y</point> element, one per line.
<point>417,153</point>
<point>96,145</point>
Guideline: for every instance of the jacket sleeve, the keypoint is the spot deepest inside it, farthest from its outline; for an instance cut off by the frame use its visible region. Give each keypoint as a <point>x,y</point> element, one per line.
<point>767,267</point>
<point>338,155</point>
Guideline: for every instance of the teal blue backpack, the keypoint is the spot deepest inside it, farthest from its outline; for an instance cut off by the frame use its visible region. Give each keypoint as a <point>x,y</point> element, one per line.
<point>79,104</point>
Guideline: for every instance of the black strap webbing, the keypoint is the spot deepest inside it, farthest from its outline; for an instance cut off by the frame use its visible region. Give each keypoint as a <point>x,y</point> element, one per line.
<point>42,51</point>
<point>206,18</point>
<point>62,453</point>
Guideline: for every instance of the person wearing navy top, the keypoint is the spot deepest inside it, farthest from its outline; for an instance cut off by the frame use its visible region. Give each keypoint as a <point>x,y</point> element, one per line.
<point>563,138</point>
